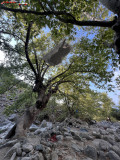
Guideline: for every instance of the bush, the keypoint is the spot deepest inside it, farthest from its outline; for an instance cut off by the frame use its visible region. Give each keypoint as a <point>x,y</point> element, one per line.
<point>115,113</point>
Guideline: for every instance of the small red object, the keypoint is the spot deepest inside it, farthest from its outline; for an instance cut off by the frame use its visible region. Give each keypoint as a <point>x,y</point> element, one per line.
<point>19,4</point>
<point>53,138</point>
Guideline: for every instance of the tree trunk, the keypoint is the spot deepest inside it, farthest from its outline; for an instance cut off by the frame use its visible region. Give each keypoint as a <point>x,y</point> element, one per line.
<point>23,123</point>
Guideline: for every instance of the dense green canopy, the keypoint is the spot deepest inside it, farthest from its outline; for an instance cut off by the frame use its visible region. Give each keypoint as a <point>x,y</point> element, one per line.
<point>28,32</point>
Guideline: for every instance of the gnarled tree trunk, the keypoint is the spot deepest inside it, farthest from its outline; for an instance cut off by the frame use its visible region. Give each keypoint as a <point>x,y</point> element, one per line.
<point>24,122</point>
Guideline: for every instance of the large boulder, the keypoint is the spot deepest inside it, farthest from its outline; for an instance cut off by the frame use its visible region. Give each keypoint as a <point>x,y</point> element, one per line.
<point>91,152</point>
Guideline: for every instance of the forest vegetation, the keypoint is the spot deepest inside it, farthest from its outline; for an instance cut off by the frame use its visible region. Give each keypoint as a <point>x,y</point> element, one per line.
<point>29,32</point>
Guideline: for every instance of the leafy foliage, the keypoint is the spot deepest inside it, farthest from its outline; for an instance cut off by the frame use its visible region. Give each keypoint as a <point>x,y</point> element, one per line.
<point>115,113</point>
<point>8,81</point>
<point>24,99</point>
<point>89,61</point>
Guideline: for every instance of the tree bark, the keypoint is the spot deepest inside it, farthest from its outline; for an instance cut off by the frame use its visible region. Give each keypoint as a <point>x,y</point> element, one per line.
<point>23,123</point>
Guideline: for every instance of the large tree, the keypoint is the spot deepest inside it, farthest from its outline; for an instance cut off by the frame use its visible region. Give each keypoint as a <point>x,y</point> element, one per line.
<point>89,59</point>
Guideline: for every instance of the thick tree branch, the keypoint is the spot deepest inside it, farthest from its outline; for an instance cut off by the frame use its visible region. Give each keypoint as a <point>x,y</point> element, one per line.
<point>77,71</point>
<point>40,61</point>
<point>55,89</point>
<point>45,70</point>
<point>45,13</point>
<point>26,49</point>
<point>36,61</point>
<point>89,23</point>
<point>42,67</point>
<point>36,58</point>
<point>60,82</point>
<point>72,20</point>
<point>64,81</point>
<point>49,82</point>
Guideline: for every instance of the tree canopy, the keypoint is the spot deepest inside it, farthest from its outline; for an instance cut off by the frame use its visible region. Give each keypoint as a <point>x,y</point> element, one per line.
<point>30,31</point>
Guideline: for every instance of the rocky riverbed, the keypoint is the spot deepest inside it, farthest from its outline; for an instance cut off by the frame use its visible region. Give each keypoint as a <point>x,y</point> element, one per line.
<point>71,139</point>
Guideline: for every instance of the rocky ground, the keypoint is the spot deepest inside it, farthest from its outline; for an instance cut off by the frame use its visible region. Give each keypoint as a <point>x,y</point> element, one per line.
<point>71,139</point>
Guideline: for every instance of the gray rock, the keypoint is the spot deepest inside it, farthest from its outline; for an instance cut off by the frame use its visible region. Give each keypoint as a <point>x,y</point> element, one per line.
<point>3,129</point>
<point>37,156</point>
<point>104,124</point>
<point>26,158</point>
<point>45,135</point>
<point>41,156</point>
<point>87,158</point>
<point>6,128</point>
<point>2,141</point>
<point>12,150</point>
<point>54,156</point>
<point>96,142</point>
<point>102,155</point>
<point>33,128</point>
<point>64,129</point>
<point>39,147</point>
<point>47,150</point>
<point>49,125</point>
<point>83,130</point>
<point>48,157</point>
<point>103,132</point>
<point>104,145</point>
<point>109,138</point>
<point>85,135</point>
<point>116,124</point>
<point>27,147</point>
<point>68,138</point>
<point>67,134</point>
<point>38,131</point>
<point>118,130</point>
<point>19,151</point>
<point>76,135</point>
<point>69,158</point>
<point>13,156</point>
<point>77,148</point>
<point>59,137</point>
<point>91,152</point>
<point>117,137</point>
<point>96,134</point>
<point>73,132</point>
<point>116,149</point>
<point>48,144</point>
<point>111,131</point>
<point>43,124</point>
<point>9,143</point>
<point>12,117</point>
<point>33,140</point>
<point>23,154</point>
<point>113,156</point>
